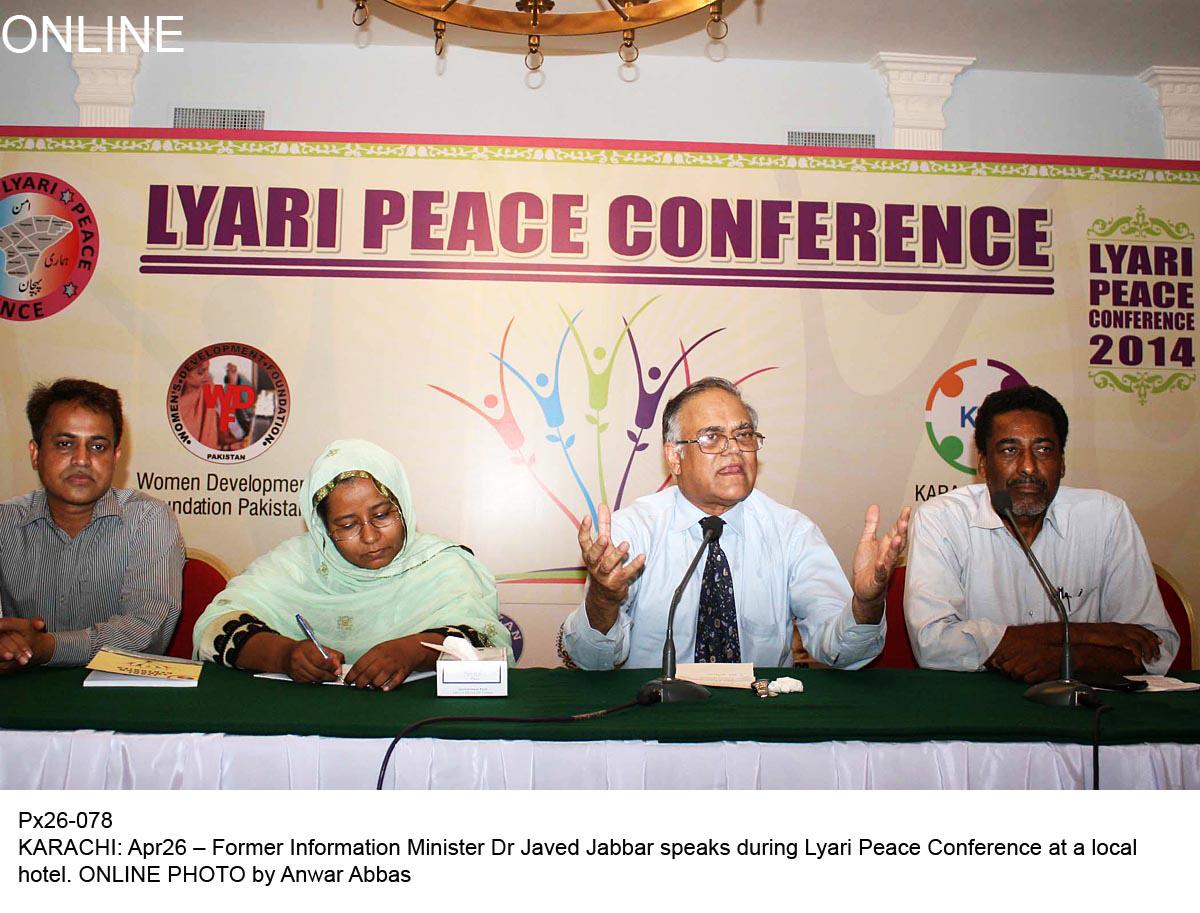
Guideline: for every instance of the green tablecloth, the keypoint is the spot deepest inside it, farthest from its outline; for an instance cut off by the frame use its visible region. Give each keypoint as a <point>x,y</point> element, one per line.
<point>887,705</point>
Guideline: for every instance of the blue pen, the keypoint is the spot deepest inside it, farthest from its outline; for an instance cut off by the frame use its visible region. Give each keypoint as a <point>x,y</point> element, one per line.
<point>308,632</point>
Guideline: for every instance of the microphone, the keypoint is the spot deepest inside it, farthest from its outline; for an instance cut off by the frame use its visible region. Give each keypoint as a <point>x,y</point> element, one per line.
<point>668,687</point>
<point>1066,691</point>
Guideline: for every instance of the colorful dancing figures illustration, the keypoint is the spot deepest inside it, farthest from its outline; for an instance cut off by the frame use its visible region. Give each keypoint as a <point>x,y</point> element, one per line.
<point>506,426</point>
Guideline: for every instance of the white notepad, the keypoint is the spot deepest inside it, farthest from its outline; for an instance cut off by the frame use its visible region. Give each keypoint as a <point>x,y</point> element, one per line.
<point>1164,683</point>
<point>283,677</point>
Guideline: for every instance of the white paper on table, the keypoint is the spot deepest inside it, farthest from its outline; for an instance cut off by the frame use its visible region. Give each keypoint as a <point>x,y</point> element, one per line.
<point>1164,683</point>
<point>717,675</point>
<point>283,677</point>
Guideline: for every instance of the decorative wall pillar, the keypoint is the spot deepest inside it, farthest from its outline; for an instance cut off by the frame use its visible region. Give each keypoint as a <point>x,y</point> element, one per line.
<point>1178,92</point>
<point>105,92</point>
<point>918,85</point>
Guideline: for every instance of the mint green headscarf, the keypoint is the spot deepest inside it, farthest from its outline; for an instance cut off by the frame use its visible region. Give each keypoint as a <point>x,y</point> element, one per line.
<point>431,583</point>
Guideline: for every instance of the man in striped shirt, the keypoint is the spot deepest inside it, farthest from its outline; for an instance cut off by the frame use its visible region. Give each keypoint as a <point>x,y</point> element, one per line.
<point>83,565</point>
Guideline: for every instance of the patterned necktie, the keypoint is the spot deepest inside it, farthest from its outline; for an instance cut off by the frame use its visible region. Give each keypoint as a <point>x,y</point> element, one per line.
<point>716,625</point>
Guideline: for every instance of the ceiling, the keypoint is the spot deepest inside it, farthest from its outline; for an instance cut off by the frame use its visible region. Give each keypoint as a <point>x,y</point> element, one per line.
<point>1113,37</point>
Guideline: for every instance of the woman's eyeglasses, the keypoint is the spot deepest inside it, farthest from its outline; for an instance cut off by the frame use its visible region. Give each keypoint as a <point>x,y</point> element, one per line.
<point>340,532</point>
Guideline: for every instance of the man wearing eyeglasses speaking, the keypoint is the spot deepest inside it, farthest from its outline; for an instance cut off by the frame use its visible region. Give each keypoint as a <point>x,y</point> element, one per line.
<point>768,566</point>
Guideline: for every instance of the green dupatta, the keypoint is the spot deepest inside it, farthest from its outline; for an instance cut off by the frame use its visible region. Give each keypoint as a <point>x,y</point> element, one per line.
<point>431,583</point>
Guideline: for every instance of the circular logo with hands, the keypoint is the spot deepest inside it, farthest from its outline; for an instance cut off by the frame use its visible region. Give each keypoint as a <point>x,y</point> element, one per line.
<point>951,405</point>
<point>49,245</point>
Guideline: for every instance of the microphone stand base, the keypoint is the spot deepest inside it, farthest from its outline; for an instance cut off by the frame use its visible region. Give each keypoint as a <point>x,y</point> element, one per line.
<point>671,690</point>
<point>1062,693</point>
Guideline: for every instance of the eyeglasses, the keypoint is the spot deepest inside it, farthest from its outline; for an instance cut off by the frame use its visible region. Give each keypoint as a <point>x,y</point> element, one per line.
<point>352,530</point>
<point>714,442</point>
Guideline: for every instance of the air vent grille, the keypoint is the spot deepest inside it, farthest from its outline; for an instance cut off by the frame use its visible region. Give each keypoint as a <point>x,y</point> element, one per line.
<point>219,119</point>
<point>829,138</point>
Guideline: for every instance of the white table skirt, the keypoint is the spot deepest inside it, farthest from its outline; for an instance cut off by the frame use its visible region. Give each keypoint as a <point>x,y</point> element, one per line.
<point>86,759</point>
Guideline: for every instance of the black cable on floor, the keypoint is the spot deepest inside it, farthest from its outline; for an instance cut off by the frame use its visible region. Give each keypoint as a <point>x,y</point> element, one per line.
<point>411,727</point>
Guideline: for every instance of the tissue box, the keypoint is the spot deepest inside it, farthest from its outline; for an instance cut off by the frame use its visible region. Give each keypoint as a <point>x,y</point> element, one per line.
<point>483,677</point>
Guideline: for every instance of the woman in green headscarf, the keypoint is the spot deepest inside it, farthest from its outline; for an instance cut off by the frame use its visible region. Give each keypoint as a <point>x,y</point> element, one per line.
<point>371,586</point>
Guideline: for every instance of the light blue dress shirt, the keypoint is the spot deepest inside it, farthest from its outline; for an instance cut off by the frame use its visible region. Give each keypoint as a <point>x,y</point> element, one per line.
<point>968,579</point>
<point>782,570</point>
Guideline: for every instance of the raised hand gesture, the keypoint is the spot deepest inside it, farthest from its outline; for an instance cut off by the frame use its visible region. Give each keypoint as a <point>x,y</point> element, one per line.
<point>609,576</point>
<point>873,562</point>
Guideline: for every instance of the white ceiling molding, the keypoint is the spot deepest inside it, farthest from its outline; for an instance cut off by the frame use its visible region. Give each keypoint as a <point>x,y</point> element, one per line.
<point>1178,93</point>
<point>1092,37</point>
<point>105,92</point>
<point>918,85</point>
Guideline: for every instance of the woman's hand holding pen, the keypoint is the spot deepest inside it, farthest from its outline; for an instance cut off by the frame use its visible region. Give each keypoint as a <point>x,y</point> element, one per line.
<point>304,663</point>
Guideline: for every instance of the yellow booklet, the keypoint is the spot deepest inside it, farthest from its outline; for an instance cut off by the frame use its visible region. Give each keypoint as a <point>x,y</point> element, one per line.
<point>124,667</point>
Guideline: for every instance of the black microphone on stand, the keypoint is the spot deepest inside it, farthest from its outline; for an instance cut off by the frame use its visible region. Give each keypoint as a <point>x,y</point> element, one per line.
<point>1066,691</point>
<point>668,687</point>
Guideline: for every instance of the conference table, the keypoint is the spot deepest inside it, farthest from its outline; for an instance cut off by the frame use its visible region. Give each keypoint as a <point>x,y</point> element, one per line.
<point>885,728</point>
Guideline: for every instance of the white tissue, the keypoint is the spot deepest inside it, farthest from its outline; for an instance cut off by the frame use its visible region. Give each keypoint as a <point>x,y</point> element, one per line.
<point>458,647</point>
<point>785,685</point>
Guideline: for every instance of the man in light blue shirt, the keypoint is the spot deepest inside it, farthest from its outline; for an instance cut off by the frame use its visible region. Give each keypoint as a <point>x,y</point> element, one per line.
<point>973,602</point>
<point>782,568</point>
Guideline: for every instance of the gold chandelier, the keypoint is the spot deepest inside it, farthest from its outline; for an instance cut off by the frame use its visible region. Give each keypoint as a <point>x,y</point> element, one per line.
<point>535,18</point>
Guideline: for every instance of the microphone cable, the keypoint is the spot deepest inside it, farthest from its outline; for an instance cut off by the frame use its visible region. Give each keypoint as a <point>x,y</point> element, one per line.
<point>412,727</point>
<point>1101,708</point>
<point>1093,700</point>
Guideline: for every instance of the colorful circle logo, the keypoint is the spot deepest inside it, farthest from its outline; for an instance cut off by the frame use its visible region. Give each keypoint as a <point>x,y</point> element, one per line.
<point>950,408</point>
<point>228,402</point>
<point>49,245</point>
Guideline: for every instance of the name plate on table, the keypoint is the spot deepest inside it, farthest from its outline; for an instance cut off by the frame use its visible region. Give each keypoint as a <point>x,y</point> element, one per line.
<point>483,677</point>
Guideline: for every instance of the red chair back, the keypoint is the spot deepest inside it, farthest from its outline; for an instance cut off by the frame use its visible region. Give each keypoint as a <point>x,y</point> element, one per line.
<point>1182,616</point>
<point>897,651</point>
<point>204,576</point>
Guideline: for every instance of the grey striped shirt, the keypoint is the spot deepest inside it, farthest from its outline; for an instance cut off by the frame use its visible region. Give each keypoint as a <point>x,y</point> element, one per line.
<point>117,584</point>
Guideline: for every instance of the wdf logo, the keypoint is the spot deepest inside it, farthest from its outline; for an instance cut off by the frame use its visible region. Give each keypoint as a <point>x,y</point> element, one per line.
<point>228,402</point>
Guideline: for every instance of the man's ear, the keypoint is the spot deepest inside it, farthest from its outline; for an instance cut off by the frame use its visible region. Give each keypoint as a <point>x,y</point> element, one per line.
<point>672,456</point>
<point>982,467</point>
<point>33,454</point>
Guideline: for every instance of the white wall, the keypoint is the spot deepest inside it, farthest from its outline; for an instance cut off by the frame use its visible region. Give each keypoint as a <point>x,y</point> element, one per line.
<point>408,90</point>
<point>1053,113</point>
<point>37,88</point>
<point>393,89</point>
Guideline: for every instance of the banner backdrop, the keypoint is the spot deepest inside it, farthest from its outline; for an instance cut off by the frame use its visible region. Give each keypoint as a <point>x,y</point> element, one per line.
<point>510,317</point>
